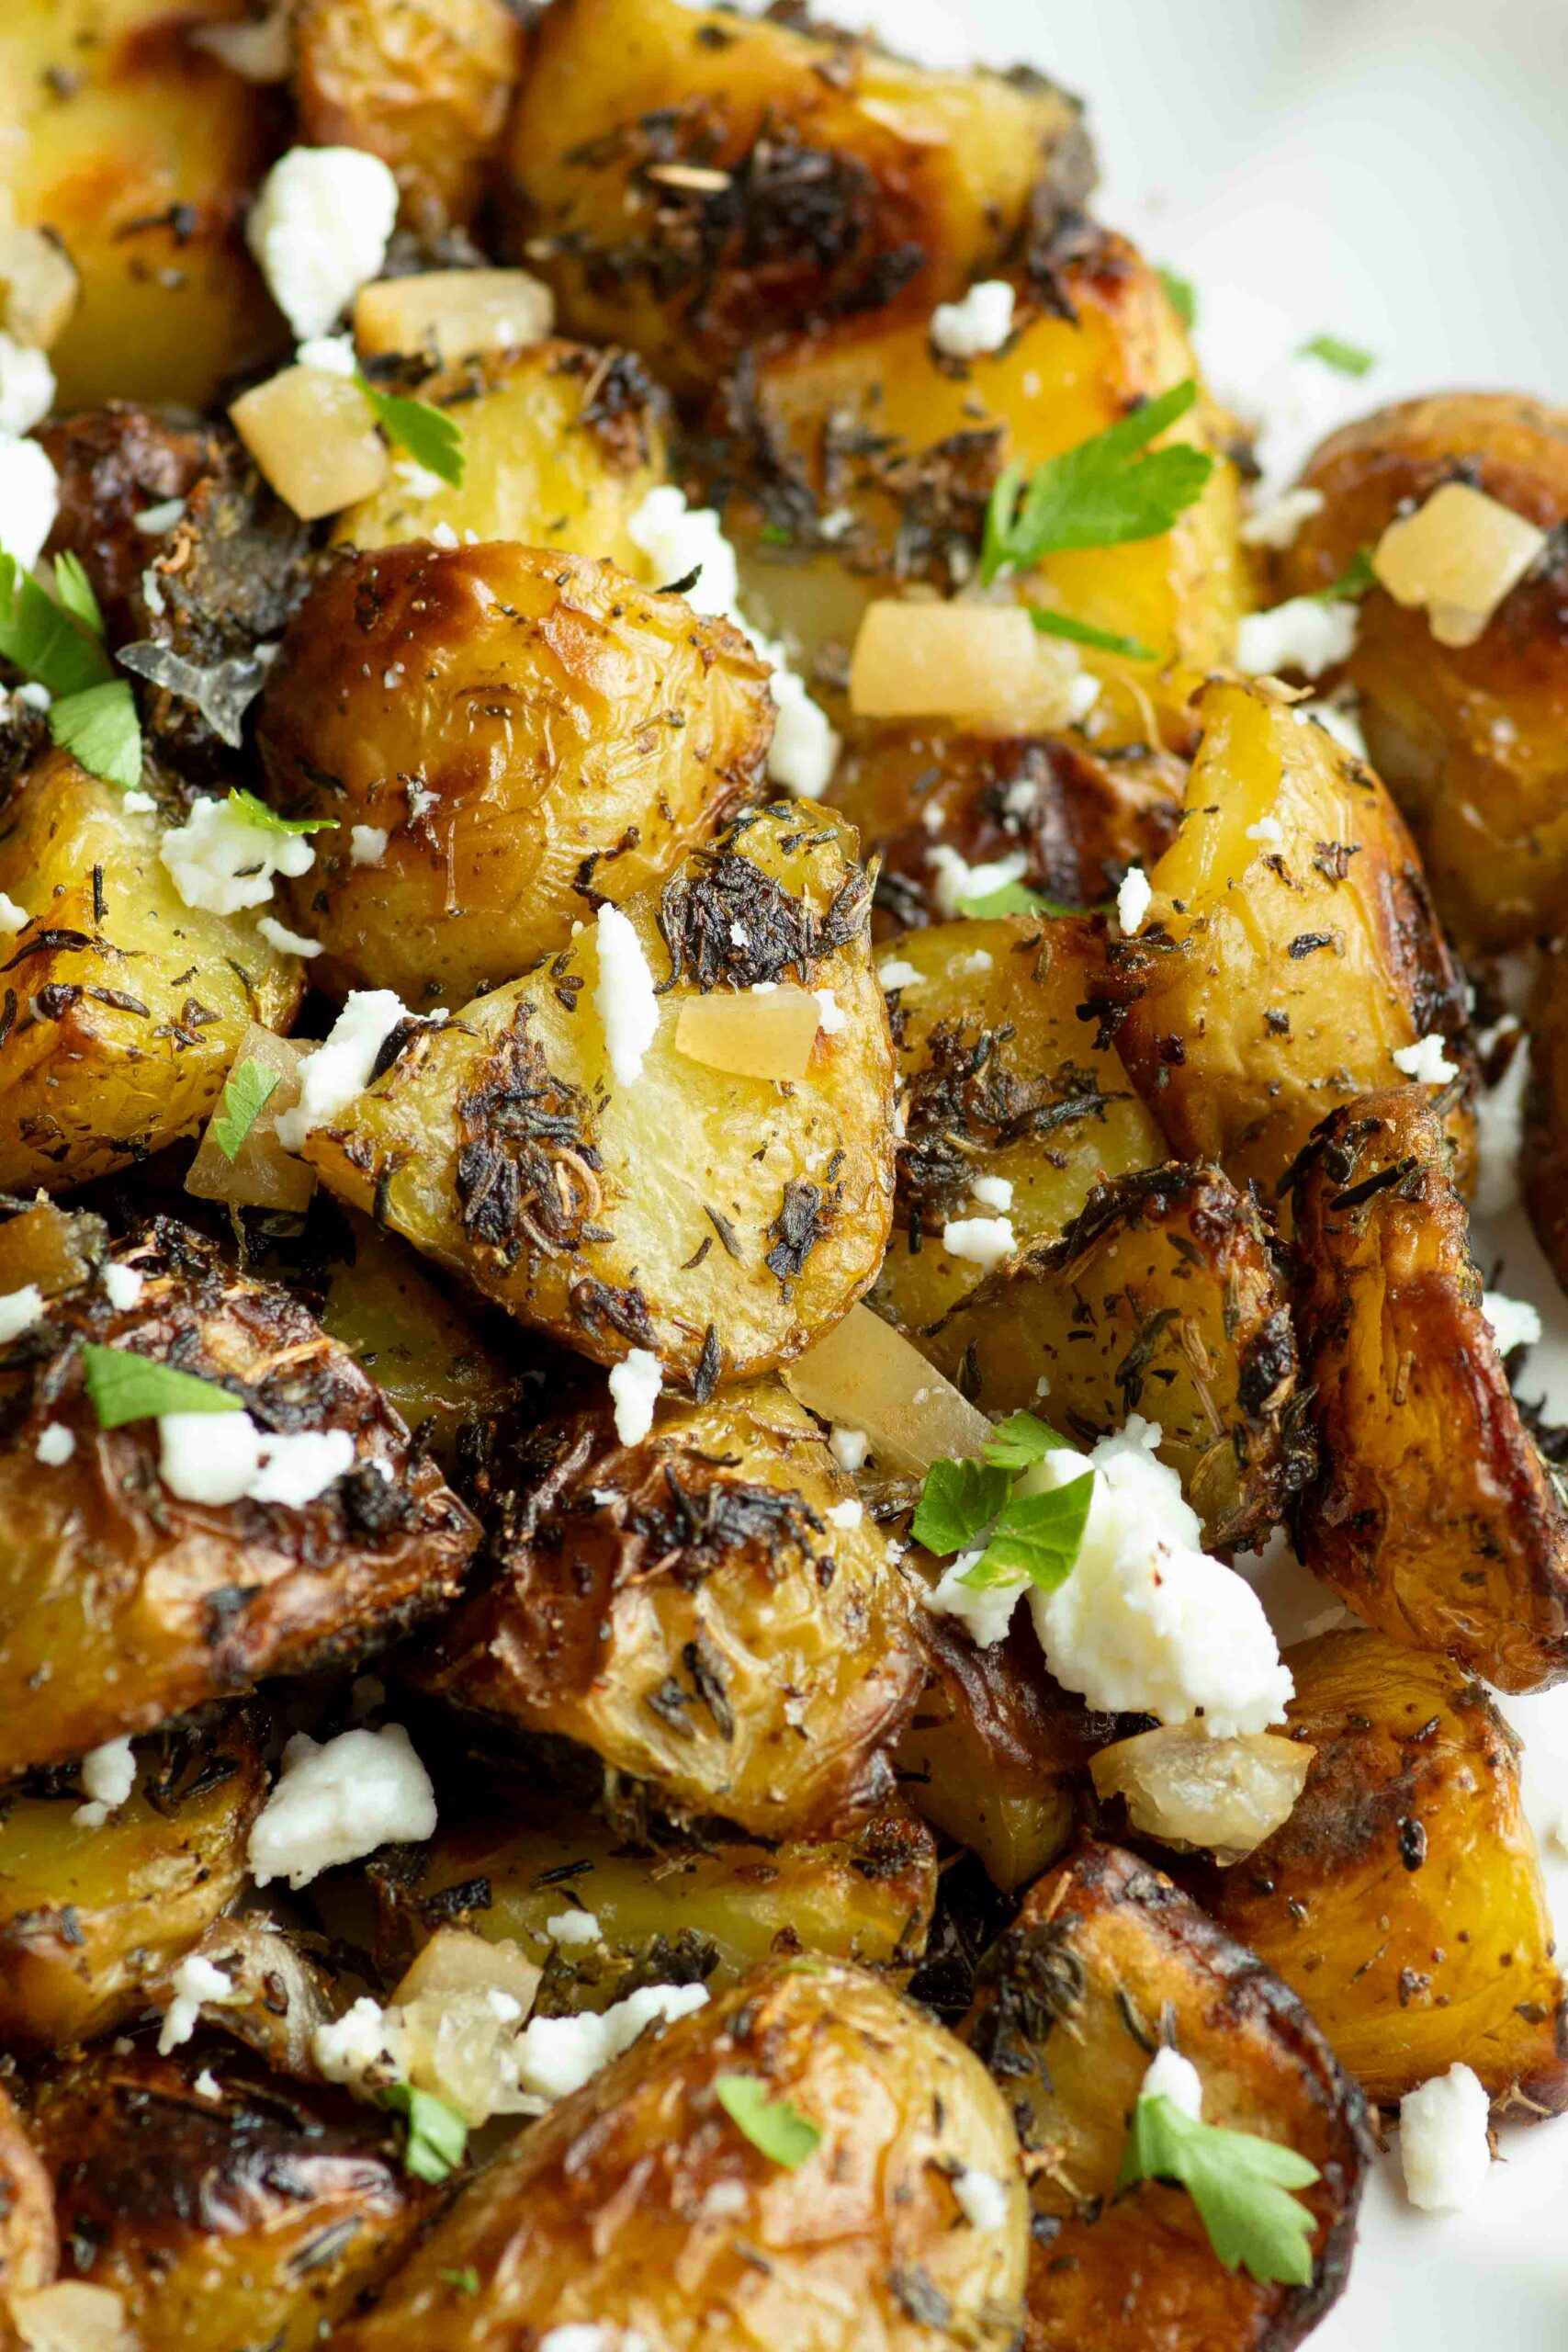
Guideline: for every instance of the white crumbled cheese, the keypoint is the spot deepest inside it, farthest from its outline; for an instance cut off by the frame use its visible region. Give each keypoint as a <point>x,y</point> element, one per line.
<point>195,1980</point>
<point>982,2199</point>
<point>1514,1322</point>
<point>831,1018</point>
<point>361,2048</point>
<point>726,2201</point>
<point>333,354</point>
<point>416,481</point>
<point>1338,719</point>
<point>27,386</point>
<point>803,751</point>
<point>217,1458</point>
<point>837,523</point>
<point>897,974</point>
<point>287,942</point>
<point>19,1310</point>
<point>573,1927</point>
<point>1426,1061</point>
<point>1443,2146</point>
<point>993,1192</point>
<point>56,1445</point>
<point>956,879</point>
<point>207,2085</point>
<point>848,1447</point>
<point>139,804</point>
<point>984,1611</point>
<point>1308,633</point>
<point>109,1775</point>
<point>443,535</point>
<point>341,1068</point>
<point>1270,830</point>
<point>13,918</point>
<point>1499,1126</point>
<point>1172,2076</point>
<point>123,1286</point>
<point>320,229</point>
<point>933,817</point>
<point>557,2055</point>
<point>634,1383</point>
<point>29,500</point>
<point>36,697</point>
<point>367,844</point>
<point>1083,693</point>
<point>300,1465</point>
<point>1133,899</point>
<point>981,1240</point>
<point>845,1514</point>
<point>1275,525</point>
<point>981,322</point>
<point>624,995</point>
<point>339,1802</point>
<point>223,862</point>
<point>970,967</point>
<point>156,520</point>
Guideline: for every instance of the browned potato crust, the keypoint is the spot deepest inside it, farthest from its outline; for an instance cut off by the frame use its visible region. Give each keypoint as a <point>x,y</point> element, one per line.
<point>685,1608</point>
<point>534,731</point>
<point>1107,1959</point>
<point>52,1248</point>
<point>1433,1512</point>
<point>1402,1899</point>
<point>1543,1155</point>
<point>113,463</point>
<point>860,2249</point>
<point>1469,738</point>
<point>123,1605</point>
<point>29,2237</point>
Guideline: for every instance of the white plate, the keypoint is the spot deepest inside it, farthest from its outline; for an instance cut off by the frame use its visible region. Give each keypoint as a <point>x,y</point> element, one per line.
<point>1392,171</point>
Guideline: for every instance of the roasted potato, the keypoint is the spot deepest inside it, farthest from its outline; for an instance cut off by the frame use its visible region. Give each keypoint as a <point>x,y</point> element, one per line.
<point>121,1007</point>
<point>1108,1960</point>
<point>124,1605</point>
<point>255,2217</point>
<point>1402,1899</point>
<point>50,1247</point>
<point>683,178</point>
<point>685,1608</point>
<point>1468,737</point>
<point>862,2248</point>
<point>1543,1155</point>
<point>1163,1297</point>
<point>113,464</point>
<point>30,2236</point>
<point>1433,1512</point>
<point>721,1222</point>
<point>998,1078</point>
<point>93,1913</point>
<point>1290,950</point>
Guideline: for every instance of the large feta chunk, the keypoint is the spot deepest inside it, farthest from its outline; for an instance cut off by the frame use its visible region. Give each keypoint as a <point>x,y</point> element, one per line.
<point>222,861</point>
<point>318,229</point>
<point>339,1802</point>
<point>1443,2147</point>
<point>1309,633</point>
<point>341,1068</point>
<point>27,386</point>
<point>981,322</point>
<point>624,995</point>
<point>29,500</point>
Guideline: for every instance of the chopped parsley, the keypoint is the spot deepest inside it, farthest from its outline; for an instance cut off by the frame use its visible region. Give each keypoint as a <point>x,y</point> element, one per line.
<point>1037,1536</point>
<point>785,2135</point>
<point>1106,491</point>
<point>1104,641</point>
<point>124,1386</point>
<point>245,1096</point>
<point>57,643</point>
<point>1346,358</point>
<point>435,2136</point>
<point>431,438</point>
<point>1240,2184</point>
<point>267,820</point>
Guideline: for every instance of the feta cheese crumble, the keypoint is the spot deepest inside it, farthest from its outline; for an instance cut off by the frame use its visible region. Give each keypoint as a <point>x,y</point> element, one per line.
<point>367,844</point>
<point>571,1928</point>
<point>1426,1061</point>
<point>983,1241</point>
<point>222,1458</point>
<point>157,520</point>
<point>981,322</point>
<point>287,942</point>
<point>556,2055</point>
<point>318,229</point>
<point>27,386</point>
<point>982,2199</point>
<point>897,974</point>
<point>1307,633</point>
<point>1443,2147</point>
<point>846,1514</point>
<point>634,1383</point>
<point>56,1445</point>
<point>108,1776</point>
<point>1172,2076</point>
<point>223,862</point>
<point>1278,524</point>
<point>333,354</point>
<point>831,1018</point>
<point>340,1069</point>
<point>195,1980</point>
<point>992,1192</point>
<point>29,500</point>
<point>624,996</point>
<point>1514,1322</point>
<point>123,1286</point>
<point>19,1310</point>
<point>13,918</point>
<point>338,1801</point>
<point>956,879</point>
<point>1270,830</point>
<point>1133,899</point>
<point>848,1447</point>
<point>207,2085</point>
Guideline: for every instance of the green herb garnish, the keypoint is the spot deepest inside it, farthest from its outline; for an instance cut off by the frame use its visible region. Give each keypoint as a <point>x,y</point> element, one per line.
<point>1354,581</point>
<point>245,1096</point>
<point>1104,641</point>
<point>1240,2183</point>
<point>124,1386</point>
<point>57,642</point>
<point>431,438</point>
<point>1182,296</point>
<point>1103,493</point>
<point>1034,1536</point>
<point>1013,899</point>
<point>465,2281</point>
<point>957,1500</point>
<point>1039,1536</point>
<point>74,593</point>
<point>436,2135</point>
<point>1346,359</point>
<point>100,729</point>
<point>267,820</point>
<point>1021,1440</point>
<point>47,641</point>
<point>779,2130</point>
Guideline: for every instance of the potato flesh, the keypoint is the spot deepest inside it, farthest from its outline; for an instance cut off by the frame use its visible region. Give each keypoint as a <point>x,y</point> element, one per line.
<point>51,1248</point>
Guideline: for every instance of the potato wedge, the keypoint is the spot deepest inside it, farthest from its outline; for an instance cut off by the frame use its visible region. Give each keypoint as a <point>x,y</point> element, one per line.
<point>1402,1899</point>
<point>1433,1513</point>
<point>862,2248</point>
<point>720,1222</point>
<point>1163,1297</point>
<point>29,2235</point>
<point>1107,1959</point>
<point>685,1608</point>
<point>124,1605</point>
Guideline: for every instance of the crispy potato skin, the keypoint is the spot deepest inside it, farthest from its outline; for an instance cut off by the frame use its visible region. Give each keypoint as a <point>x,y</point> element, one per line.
<point>30,2236</point>
<point>862,2248</point>
<point>721,1222</point>
<point>113,463</point>
<point>258,2217</point>
<point>1164,1297</point>
<point>123,1605</point>
<point>1410,1824</point>
<point>1469,738</point>
<point>683,1607</point>
<point>1433,1512</point>
<point>852,180</point>
<point>1543,1158</point>
<point>570,734</point>
<point>89,1917</point>
<point>1107,1950</point>
<point>1271,983</point>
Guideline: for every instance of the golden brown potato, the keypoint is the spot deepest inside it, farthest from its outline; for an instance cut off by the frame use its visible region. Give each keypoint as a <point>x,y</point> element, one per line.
<point>138,152</point>
<point>999,1078</point>
<point>721,1222</point>
<point>124,1605</point>
<point>862,2248</point>
<point>426,86</point>
<point>533,732</point>
<point>1432,1512</point>
<point>1107,1961</point>
<point>685,1608</point>
<point>1274,980</point>
<point>121,1007</point>
<point>92,1913</point>
<point>29,2237</point>
<point>50,1248</point>
<point>1162,1298</point>
<point>1402,1899</point>
<point>682,177</point>
<point>1543,1155</point>
<point>258,2217</point>
<point>1468,737</point>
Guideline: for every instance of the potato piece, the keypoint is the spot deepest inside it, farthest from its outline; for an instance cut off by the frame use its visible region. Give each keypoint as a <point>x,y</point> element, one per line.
<point>1543,1155</point>
<point>121,1007</point>
<point>138,152</point>
<point>29,2237</point>
<point>50,1248</point>
<point>258,2217</point>
<point>684,176</point>
<point>560,446</point>
<point>1433,1513</point>
<point>999,1078</point>
<point>721,1222</point>
<point>533,732</point>
<point>123,1605</point>
<point>1105,1960</point>
<point>1404,1899</point>
<point>114,463</point>
<point>426,86</point>
<point>1162,1298</point>
<point>1280,970</point>
<point>685,1608</point>
<point>1468,737</point>
<point>862,2246</point>
<point>91,1915</point>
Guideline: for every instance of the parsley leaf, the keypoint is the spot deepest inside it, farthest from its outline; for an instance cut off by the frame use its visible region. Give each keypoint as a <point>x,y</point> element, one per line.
<point>436,2136</point>
<point>99,728</point>
<point>431,438</point>
<point>124,1386</point>
<point>1182,296</point>
<point>245,1096</point>
<point>1354,581</point>
<point>74,593</point>
<point>267,820</point>
<point>779,2130</point>
<point>1104,641</point>
<point>957,1500</point>
<point>1102,493</point>
<point>45,642</point>
<point>465,2281</point>
<point>1346,359</point>
<point>1040,1535</point>
<point>1021,1440</point>
<point>1240,2183</point>
<point>1013,899</point>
